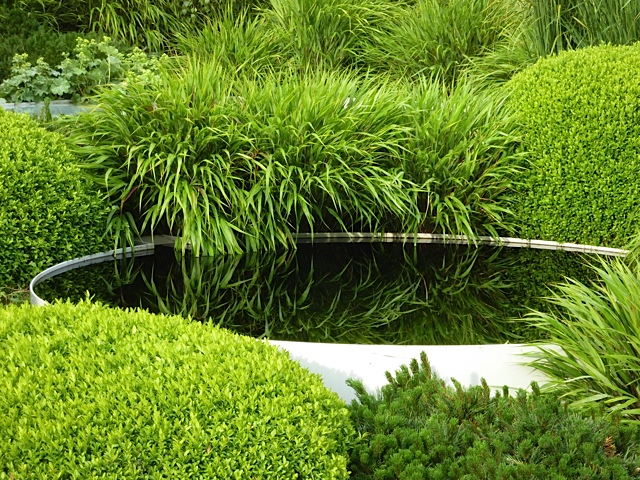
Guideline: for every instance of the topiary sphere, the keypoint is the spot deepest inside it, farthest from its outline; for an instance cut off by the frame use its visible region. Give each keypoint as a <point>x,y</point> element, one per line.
<point>48,212</point>
<point>580,124</point>
<point>87,391</point>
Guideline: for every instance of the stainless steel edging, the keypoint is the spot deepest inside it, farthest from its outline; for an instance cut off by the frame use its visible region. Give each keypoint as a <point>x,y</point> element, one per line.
<point>459,240</point>
<point>141,250</point>
<point>147,247</point>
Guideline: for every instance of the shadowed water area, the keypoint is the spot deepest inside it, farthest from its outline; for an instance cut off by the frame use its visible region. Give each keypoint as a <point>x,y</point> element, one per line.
<point>342,293</point>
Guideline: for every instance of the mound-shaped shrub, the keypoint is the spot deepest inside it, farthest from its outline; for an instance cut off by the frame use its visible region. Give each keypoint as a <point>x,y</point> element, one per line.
<point>48,213</point>
<point>580,125</point>
<point>418,428</point>
<point>90,392</point>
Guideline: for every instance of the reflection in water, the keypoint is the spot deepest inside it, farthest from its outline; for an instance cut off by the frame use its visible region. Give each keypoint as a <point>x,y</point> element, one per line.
<point>344,293</point>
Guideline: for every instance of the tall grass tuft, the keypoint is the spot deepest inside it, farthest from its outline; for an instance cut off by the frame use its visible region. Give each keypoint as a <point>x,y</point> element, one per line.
<point>569,24</point>
<point>597,330</point>
<point>326,32</point>
<point>233,164</point>
<point>242,43</point>
<point>436,37</point>
<point>461,155</point>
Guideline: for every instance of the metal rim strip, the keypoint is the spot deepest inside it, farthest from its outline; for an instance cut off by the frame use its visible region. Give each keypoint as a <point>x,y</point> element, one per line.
<point>147,247</point>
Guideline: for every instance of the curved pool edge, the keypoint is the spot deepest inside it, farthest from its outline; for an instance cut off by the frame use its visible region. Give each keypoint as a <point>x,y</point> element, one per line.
<point>142,250</point>
<point>498,364</point>
<point>146,246</point>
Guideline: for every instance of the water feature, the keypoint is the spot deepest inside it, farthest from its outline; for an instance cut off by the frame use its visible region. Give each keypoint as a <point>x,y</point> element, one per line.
<point>366,293</point>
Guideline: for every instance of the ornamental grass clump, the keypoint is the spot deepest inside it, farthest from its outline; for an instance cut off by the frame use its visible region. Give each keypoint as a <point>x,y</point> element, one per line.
<point>461,154</point>
<point>48,212</point>
<point>559,25</point>
<point>436,38</point>
<point>233,164</point>
<point>578,117</point>
<point>241,43</point>
<point>418,427</point>
<point>94,392</point>
<point>326,33</point>
<point>596,328</point>
<point>230,163</point>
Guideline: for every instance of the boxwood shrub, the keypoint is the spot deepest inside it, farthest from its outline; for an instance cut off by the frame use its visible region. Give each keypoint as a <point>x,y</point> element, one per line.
<point>419,428</point>
<point>579,114</point>
<point>93,392</point>
<point>48,213</point>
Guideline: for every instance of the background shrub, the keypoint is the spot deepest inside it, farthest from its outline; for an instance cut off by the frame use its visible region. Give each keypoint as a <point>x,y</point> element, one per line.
<point>241,43</point>
<point>581,138</point>
<point>127,394</point>
<point>326,32</point>
<point>420,428</point>
<point>143,23</point>
<point>48,213</point>
<point>597,328</point>
<point>25,32</point>
<point>436,38</point>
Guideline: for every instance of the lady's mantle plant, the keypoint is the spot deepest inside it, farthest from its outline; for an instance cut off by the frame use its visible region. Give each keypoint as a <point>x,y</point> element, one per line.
<point>92,64</point>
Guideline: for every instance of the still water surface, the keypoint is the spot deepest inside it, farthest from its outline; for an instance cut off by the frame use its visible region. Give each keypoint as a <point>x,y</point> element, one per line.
<point>345,293</point>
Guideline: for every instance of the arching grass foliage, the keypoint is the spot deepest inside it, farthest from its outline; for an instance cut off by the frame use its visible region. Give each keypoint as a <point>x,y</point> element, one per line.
<point>230,163</point>
<point>597,329</point>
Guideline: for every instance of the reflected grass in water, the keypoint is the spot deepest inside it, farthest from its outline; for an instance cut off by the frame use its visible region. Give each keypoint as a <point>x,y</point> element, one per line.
<point>341,293</point>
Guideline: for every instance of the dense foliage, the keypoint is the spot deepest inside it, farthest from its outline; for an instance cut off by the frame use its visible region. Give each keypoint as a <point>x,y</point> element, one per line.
<point>229,163</point>
<point>418,428</point>
<point>596,327</point>
<point>22,33</point>
<point>48,213</point>
<point>93,63</point>
<point>570,24</point>
<point>143,23</point>
<point>93,392</point>
<point>581,137</point>
<point>436,38</point>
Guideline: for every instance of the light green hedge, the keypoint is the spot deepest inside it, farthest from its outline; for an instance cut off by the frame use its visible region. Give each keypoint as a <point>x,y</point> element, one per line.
<point>579,114</point>
<point>48,213</point>
<point>93,392</point>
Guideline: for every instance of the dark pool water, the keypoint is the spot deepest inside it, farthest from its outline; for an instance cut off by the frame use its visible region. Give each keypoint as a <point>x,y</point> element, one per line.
<point>344,293</point>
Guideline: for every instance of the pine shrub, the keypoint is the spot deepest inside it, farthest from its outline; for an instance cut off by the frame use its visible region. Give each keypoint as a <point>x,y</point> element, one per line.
<point>418,428</point>
<point>579,120</point>
<point>93,392</point>
<point>48,213</point>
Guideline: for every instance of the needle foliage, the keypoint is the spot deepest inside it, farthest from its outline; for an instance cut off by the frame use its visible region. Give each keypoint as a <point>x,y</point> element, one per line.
<point>418,427</point>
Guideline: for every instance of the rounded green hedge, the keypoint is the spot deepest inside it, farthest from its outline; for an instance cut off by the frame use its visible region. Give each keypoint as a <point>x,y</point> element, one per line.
<point>90,392</point>
<point>48,213</point>
<point>580,126</point>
